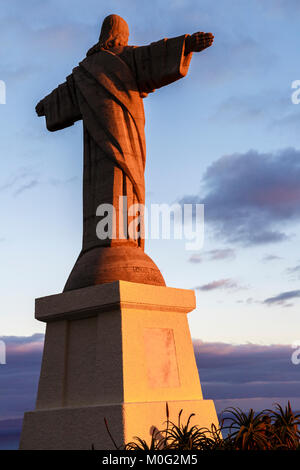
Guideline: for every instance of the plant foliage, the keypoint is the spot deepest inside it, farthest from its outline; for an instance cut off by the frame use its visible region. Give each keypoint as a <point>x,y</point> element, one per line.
<point>276,429</point>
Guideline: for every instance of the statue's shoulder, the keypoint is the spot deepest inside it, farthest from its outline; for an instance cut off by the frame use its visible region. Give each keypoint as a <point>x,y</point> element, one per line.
<point>107,61</point>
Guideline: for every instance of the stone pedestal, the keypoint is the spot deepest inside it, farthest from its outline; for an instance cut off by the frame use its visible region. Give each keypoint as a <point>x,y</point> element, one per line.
<point>118,351</point>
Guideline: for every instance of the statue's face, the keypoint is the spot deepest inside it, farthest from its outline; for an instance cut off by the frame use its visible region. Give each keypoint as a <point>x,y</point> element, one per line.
<point>114,31</point>
<point>121,40</point>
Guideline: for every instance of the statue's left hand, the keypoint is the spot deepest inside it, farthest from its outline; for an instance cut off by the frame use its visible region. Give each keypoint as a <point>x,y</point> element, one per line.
<point>40,109</point>
<point>199,41</point>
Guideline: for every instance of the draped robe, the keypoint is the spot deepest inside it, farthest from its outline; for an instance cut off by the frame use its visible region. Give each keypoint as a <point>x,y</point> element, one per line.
<point>106,91</point>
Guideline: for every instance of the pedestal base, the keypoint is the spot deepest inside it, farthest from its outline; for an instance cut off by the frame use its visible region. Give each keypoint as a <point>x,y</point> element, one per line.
<point>80,428</point>
<point>118,351</point>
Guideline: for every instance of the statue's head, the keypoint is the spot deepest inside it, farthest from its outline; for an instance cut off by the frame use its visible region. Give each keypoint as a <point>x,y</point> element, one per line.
<point>114,32</point>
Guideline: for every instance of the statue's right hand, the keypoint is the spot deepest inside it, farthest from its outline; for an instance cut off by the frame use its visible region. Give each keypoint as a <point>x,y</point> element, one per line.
<point>200,41</point>
<point>40,111</point>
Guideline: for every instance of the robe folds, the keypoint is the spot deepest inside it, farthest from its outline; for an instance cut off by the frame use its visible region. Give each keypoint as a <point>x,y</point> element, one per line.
<point>106,91</point>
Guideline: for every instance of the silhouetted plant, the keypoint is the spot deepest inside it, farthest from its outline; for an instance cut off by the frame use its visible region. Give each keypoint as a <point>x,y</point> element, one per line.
<point>212,439</point>
<point>247,431</point>
<point>268,430</point>
<point>156,443</point>
<point>183,436</point>
<point>285,431</point>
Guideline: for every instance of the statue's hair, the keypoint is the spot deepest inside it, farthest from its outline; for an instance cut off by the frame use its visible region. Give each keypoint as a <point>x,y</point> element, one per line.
<point>113,28</point>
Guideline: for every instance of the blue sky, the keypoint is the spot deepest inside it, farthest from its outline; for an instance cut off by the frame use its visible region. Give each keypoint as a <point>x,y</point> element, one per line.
<point>226,136</point>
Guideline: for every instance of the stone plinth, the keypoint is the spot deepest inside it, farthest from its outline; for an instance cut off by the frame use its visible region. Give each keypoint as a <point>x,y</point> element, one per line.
<point>118,351</point>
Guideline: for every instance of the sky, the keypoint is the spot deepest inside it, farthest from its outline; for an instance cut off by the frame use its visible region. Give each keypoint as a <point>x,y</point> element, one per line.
<point>225,136</point>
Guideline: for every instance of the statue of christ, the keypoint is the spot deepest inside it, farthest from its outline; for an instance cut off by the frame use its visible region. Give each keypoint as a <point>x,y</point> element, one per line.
<point>106,92</point>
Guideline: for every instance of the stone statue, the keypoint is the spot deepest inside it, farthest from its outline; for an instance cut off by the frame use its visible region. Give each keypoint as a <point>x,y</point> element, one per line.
<point>106,91</point>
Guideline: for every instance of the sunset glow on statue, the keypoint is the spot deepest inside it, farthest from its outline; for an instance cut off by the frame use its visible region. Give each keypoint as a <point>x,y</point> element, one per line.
<point>106,91</point>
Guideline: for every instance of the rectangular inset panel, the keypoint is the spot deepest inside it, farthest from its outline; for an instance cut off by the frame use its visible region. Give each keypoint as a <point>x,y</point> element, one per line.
<point>161,361</point>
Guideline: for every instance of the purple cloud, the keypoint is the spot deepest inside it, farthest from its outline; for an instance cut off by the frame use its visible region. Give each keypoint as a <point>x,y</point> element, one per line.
<point>247,375</point>
<point>19,376</point>
<point>282,298</point>
<point>294,271</point>
<point>268,258</point>
<point>195,258</point>
<point>221,254</point>
<point>250,197</point>
<point>213,255</point>
<point>220,284</point>
<point>248,301</point>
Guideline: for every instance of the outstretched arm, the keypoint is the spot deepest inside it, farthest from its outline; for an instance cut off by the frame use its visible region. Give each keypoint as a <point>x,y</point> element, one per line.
<point>198,42</point>
<point>60,107</point>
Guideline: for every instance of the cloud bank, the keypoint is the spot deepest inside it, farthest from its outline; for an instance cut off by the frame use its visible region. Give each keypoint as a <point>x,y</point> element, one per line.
<point>247,375</point>
<point>282,297</point>
<point>220,284</point>
<point>251,198</point>
<point>213,255</point>
<point>233,375</point>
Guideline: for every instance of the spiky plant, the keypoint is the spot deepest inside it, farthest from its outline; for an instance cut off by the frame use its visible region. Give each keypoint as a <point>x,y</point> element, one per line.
<point>183,436</point>
<point>267,430</point>
<point>156,443</point>
<point>180,436</point>
<point>285,427</point>
<point>247,430</point>
<point>212,439</point>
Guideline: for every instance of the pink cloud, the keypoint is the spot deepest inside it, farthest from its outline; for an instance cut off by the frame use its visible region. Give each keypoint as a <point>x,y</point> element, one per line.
<point>220,284</point>
<point>27,348</point>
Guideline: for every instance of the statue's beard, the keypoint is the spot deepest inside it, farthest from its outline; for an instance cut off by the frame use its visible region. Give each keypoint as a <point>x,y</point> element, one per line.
<point>116,43</point>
